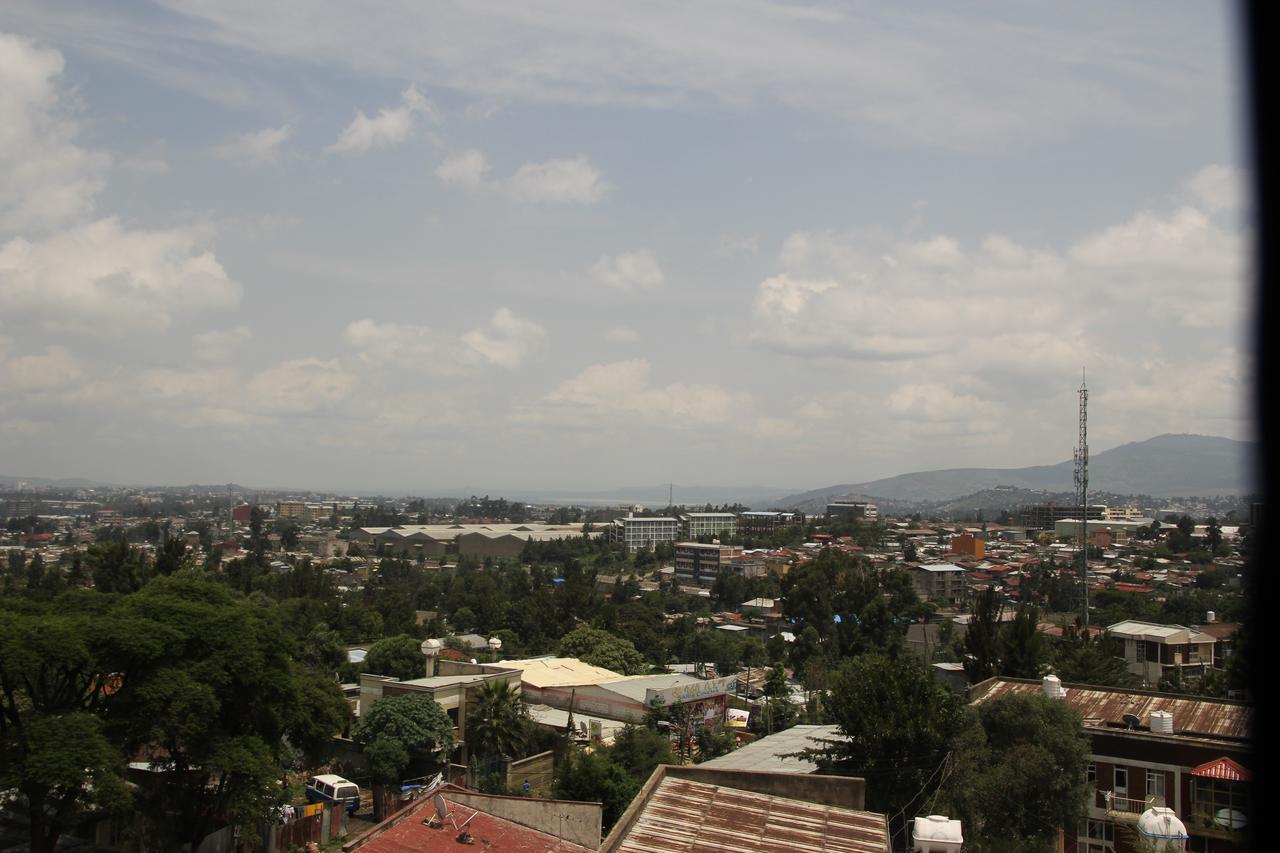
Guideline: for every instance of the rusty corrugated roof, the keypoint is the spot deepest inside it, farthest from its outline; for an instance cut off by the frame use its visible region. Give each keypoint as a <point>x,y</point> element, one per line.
<point>1192,716</point>
<point>683,815</point>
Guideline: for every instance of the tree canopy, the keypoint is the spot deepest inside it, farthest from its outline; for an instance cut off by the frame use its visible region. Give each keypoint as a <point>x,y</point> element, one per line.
<point>1018,773</point>
<point>600,648</point>
<point>403,733</point>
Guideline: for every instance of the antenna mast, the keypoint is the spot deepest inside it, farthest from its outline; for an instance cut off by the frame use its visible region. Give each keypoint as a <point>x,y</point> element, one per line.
<point>1082,492</point>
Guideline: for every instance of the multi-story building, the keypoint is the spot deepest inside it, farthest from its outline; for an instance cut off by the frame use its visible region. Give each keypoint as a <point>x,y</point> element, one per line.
<point>1122,513</point>
<point>857,509</point>
<point>698,564</point>
<point>942,583</point>
<point>636,531</point>
<point>1044,516</point>
<point>1120,531</point>
<point>765,523</point>
<point>701,525</point>
<point>969,545</point>
<point>1154,651</point>
<point>1154,750</point>
<point>296,510</point>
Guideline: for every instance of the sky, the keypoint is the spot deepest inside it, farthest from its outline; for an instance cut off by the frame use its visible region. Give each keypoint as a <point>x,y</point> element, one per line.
<point>558,244</point>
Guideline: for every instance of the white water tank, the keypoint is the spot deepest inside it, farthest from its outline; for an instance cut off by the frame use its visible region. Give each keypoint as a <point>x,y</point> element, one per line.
<point>1162,722</point>
<point>1052,686</point>
<point>936,833</point>
<point>1211,617</point>
<point>1162,830</point>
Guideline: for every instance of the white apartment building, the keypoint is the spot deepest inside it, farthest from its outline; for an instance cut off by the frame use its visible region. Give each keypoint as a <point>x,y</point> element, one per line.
<point>642,532</point>
<point>715,524</point>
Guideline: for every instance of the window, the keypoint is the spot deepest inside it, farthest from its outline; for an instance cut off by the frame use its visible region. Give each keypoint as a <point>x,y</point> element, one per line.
<point>1092,773</point>
<point>1121,786</point>
<point>1141,653</point>
<point>1095,836</point>
<point>1155,787</point>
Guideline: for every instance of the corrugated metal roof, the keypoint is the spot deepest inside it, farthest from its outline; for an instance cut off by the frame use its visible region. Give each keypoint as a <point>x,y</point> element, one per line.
<point>1223,768</point>
<point>682,815</point>
<point>775,753</point>
<point>1192,716</point>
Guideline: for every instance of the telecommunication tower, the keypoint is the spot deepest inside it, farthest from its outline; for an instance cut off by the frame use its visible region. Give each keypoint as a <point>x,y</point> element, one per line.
<point>1082,493</point>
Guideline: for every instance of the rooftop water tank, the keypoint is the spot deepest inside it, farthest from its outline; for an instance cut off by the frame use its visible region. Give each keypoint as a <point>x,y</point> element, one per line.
<point>1052,686</point>
<point>1162,722</point>
<point>1161,828</point>
<point>936,833</point>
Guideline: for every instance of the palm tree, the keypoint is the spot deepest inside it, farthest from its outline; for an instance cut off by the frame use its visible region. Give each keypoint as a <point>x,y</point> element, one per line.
<point>497,721</point>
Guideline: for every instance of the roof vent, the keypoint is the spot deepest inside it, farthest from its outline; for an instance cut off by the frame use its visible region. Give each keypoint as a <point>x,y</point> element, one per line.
<point>1162,722</point>
<point>1052,686</point>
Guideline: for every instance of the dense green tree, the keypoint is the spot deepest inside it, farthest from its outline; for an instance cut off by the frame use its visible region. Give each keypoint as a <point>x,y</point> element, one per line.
<point>1017,774</point>
<point>497,721</point>
<point>896,724</point>
<point>398,657</point>
<point>56,755</point>
<point>406,734</point>
<point>1098,660</point>
<point>115,566</point>
<point>600,648</point>
<point>982,637</point>
<point>594,777</point>
<point>639,749</point>
<point>217,700</point>
<point>1022,646</point>
<point>171,556</point>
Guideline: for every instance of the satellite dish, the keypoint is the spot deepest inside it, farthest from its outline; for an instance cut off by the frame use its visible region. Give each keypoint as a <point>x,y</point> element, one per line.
<point>442,808</point>
<point>1131,720</point>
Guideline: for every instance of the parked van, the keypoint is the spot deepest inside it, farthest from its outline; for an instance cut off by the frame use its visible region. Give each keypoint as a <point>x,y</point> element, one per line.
<point>334,789</point>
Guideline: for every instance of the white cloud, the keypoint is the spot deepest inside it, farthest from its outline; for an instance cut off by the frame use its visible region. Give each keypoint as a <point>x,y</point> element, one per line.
<point>1218,187</point>
<point>574,181</point>
<point>622,335</point>
<point>221,345</point>
<point>261,146</point>
<point>106,280</point>
<point>629,272</point>
<point>48,178</point>
<point>505,341</point>
<point>466,169</point>
<point>299,386</point>
<point>623,390</point>
<point>54,368</point>
<point>998,305</point>
<point>971,81</point>
<point>391,126</point>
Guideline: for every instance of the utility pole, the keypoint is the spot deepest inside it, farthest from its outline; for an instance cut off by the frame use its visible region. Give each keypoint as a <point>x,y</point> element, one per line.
<point>1082,492</point>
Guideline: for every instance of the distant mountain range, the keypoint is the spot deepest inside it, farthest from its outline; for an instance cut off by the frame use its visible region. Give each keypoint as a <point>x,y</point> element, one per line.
<point>1164,466</point>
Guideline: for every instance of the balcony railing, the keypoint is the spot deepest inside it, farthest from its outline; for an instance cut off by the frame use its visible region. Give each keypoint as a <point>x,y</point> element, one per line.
<point>1125,808</point>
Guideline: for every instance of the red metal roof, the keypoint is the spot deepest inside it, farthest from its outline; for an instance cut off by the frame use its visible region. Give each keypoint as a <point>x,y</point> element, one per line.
<point>1223,768</point>
<point>411,835</point>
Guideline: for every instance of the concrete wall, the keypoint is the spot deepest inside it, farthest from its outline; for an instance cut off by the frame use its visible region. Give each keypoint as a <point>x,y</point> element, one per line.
<point>579,823</point>
<point>846,792</point>
<point>536,770</point>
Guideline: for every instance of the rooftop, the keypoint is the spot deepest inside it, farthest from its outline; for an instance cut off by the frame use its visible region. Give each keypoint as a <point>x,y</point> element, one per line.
<point>412,835</point>
<point>774,753</point>
<point>1105,707</point>
<point>559,672</point>
<point>682,814</point>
